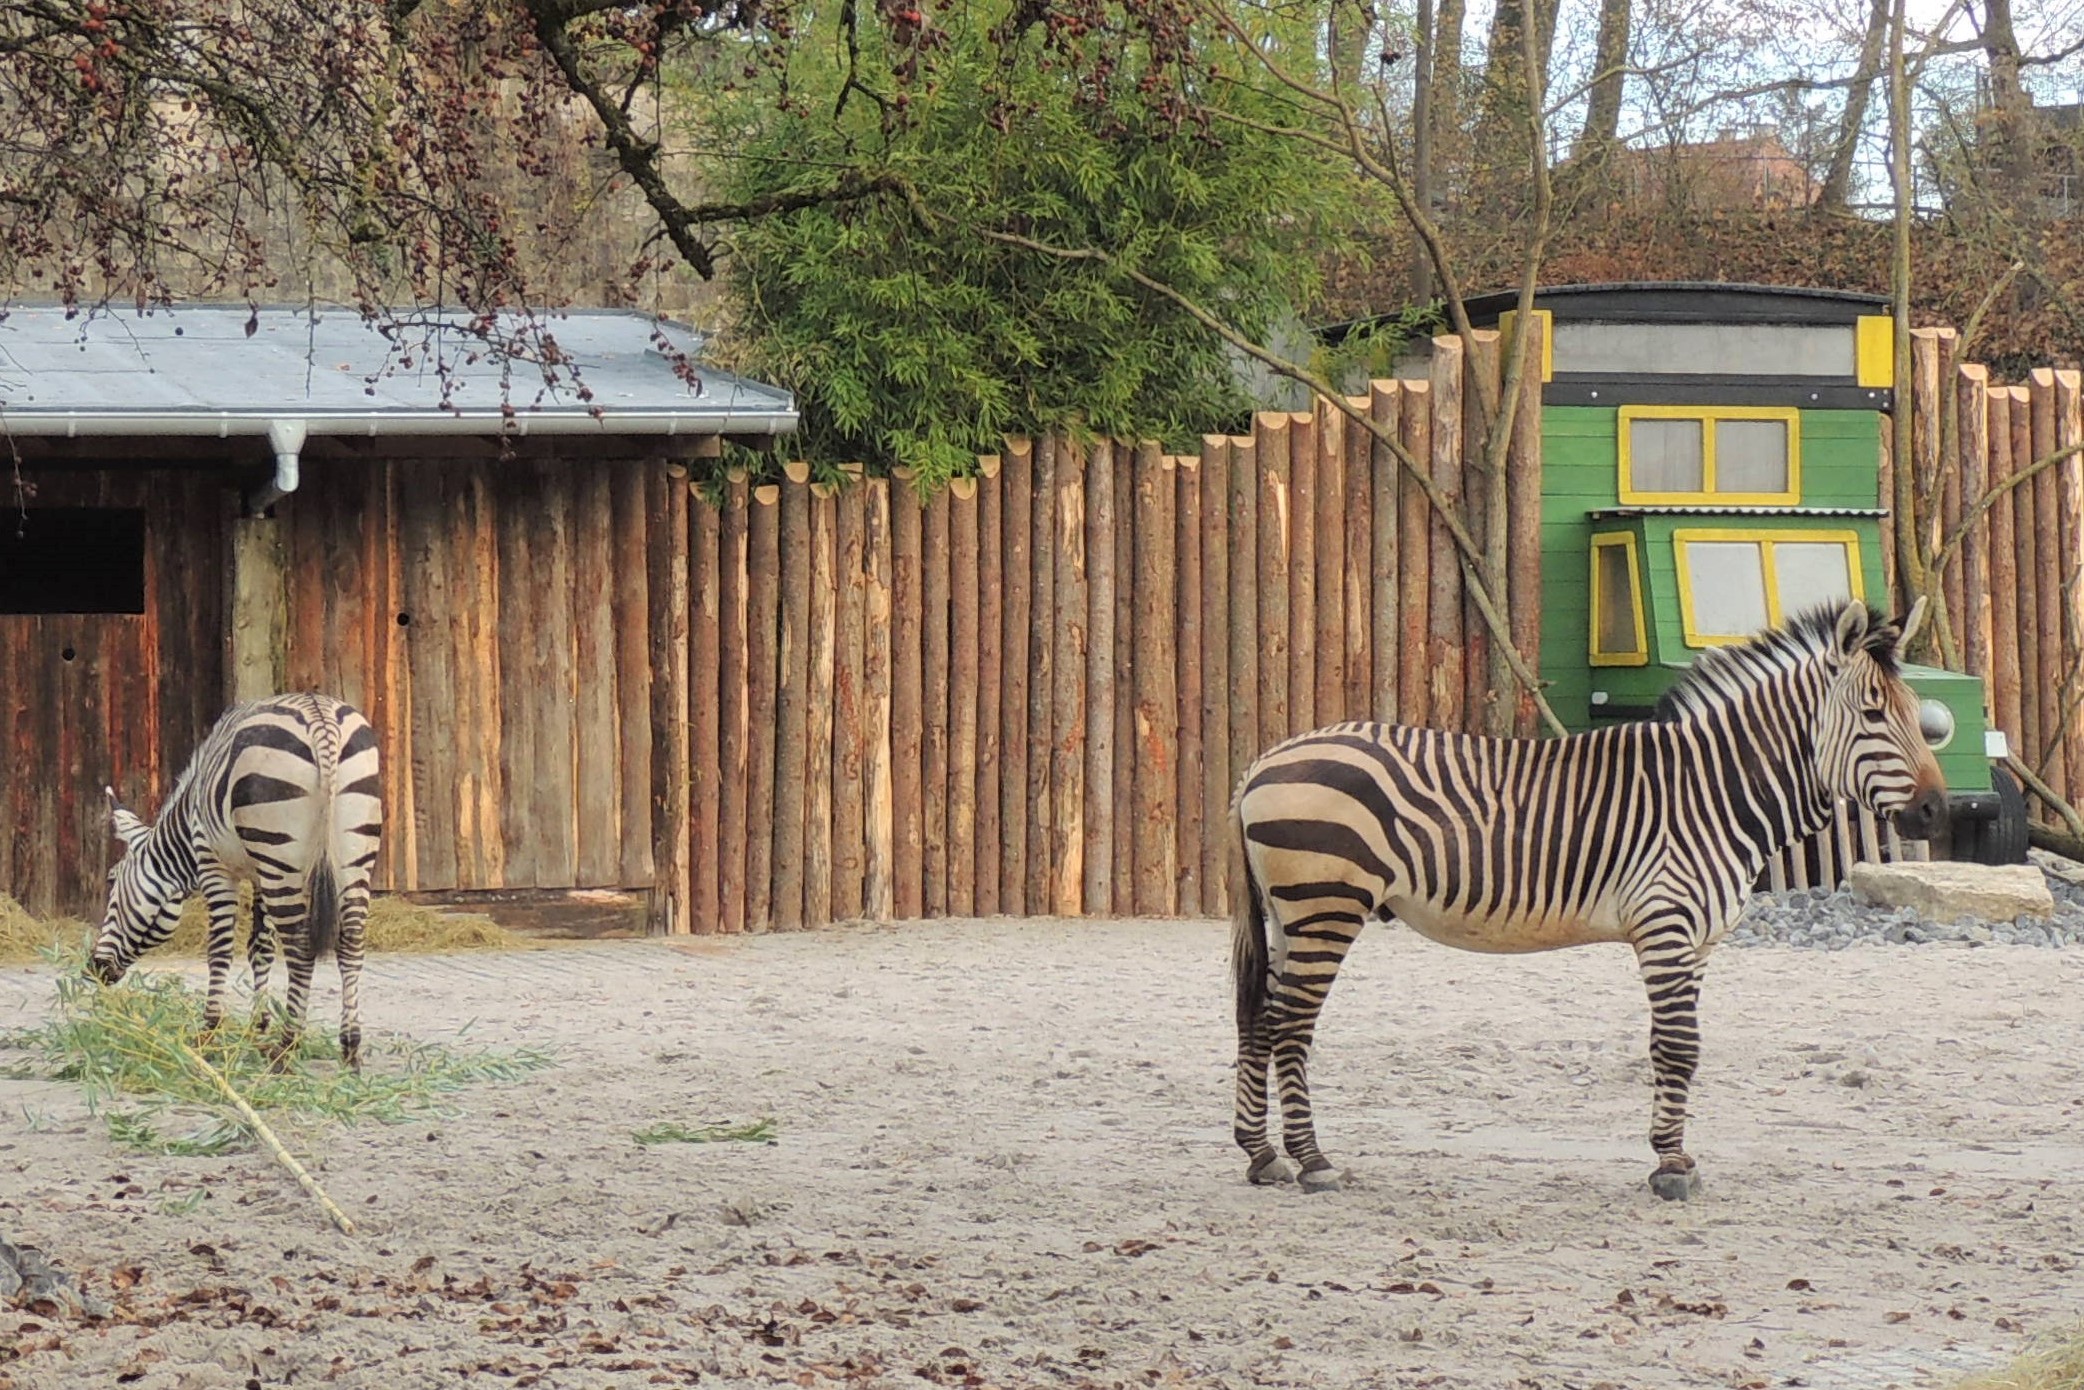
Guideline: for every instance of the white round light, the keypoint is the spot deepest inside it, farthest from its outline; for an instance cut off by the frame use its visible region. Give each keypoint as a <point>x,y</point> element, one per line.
<point>1935,722</point>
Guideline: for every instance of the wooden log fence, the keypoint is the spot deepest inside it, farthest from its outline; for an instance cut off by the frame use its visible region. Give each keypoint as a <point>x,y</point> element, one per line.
<point>1033,694</point>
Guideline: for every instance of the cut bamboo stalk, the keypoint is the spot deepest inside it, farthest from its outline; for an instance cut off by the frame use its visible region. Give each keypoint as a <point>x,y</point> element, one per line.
<point>1523,534</point>
<point>252,1120</point>
<point>1302,572</point>
<point>879,828</point>
<point>937,654</point>
<point>705,786</point>
<point>849,701</point>
<point>1041,644</point>
<point>1098,888</point>
<point>1187,647</point>
<point>1157,695</point>
<point>907,701</point>
<point>2004,594</point>
<point>991,677</point>
<point>962,698</point>
<point>1446,697</point>
<point>1068,675</point>
<point>734,698</point>
<point>1215,671</point>
<point>818,708</point>
<point>1270,441</point>
<point>763,638</point>
<point>1330,522</point>
<point>1123,887</point>
<point>1017,484</point>
<point>1415,559</point>
<point>1386,636</point>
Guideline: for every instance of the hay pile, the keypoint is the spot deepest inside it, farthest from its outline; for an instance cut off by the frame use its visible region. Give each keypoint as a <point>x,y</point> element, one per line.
<point>394,925</point>
<point>2058,1364</point>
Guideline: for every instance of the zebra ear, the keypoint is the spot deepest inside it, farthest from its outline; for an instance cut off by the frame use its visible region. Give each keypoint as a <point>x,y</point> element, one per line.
<point>1912,623</point>
<point>129,829</point>
<point>1852,628</point>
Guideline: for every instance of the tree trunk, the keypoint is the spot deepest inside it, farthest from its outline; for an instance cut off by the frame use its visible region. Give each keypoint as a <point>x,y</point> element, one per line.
<point>1838,177</point>
<point>1602,127</point>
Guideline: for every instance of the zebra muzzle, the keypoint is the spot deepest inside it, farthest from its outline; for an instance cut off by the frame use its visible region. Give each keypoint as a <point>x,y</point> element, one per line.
<point>1924,817</point>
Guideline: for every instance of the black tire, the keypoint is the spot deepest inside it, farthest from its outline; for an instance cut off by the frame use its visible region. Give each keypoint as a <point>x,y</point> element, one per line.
<point>2003,840</point>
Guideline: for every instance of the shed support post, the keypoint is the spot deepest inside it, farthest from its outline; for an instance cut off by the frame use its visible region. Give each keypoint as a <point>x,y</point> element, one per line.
<point>259,664</point>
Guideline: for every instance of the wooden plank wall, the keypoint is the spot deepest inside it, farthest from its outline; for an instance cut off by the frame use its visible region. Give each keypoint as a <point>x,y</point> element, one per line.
<point>508,628</point>
<point>1083,646</point>
<point>94,700</point>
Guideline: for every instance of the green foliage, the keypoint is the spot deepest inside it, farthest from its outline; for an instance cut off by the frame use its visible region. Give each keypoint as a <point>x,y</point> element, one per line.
<point>670,1132</point>
<point>122,1045</point>
<point>913,338</point>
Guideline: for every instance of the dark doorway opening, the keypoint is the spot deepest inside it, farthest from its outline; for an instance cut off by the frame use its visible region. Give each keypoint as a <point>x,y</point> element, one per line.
<point>72,560</point>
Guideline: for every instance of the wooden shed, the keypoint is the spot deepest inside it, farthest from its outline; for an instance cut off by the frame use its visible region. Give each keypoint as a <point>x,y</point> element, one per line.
<point>485,552</point>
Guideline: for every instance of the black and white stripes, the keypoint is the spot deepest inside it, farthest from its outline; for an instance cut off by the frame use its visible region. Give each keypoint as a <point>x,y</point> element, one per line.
<point>284,792</point>
<point>1650,834</point>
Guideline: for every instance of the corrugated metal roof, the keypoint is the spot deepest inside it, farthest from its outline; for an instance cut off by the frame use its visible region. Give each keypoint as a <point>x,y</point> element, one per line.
<point>341,375</point>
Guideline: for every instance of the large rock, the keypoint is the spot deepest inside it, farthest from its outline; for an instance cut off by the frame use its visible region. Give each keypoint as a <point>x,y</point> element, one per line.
<point>1946,891</point>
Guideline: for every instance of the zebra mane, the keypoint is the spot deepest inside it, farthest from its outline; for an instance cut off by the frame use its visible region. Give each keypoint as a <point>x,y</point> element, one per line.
<point>1721,675</point>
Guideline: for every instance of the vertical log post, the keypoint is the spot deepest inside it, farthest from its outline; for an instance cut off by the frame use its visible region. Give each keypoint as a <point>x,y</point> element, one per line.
<point>1972,423</point>
<point>1523,534</point>
<point>1187,645</point>
<point>1017,488</point>
<point>819,710</point>
<point>1157,697</point>
<point>991,677</point>
<point>763,636</point>
<point>1128,459</point>
<point>1039,888</point>
<point>1302,572</point>
<point>1483,506</point>
<point>1330,522</point>
<point>1357,574</point>
<point>734,699</point>
<point>1068,681</point>
<point>1385,557</point>
<point>850,699</point>
<point>2050,570</point>
<point>259,664</point>
<point>879,823</point>
<point>1098,889</point>
<point>1447,701</point>
<point>936,654</point>
<point>907,700</point>
<point>2004,591</point>
<point>1215,671</point>
<point>1270,441</point>
<point>1415,682</point>
<point>963,650</point>
<point>2026,535</point>
<point>672,811</point>
<point>705,723</point>
<point>792,730</point>
<point>2069,430</point>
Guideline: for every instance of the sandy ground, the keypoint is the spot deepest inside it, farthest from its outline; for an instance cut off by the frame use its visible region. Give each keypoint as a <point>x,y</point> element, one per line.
<point>1003,1159</point>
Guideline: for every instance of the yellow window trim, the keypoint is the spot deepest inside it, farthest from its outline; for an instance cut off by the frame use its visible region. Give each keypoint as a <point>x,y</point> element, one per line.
<point>1874,350</point>
<point>1708,415</point>
<point>1767,540</point>
<point>1640,656</point>
<point>1545,325</point>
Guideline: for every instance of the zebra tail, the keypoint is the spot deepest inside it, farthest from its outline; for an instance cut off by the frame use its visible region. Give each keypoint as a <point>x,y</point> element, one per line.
<point>1247,936</point>
<point>322,925</point>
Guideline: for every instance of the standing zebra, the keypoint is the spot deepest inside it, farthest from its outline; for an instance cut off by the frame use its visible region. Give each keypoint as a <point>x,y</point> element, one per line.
<point>1649,833</point>
<point>284,793</point>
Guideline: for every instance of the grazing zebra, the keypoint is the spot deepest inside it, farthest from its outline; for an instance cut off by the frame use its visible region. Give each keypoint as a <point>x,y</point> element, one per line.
<point>1648,833</point>
<point>284,793</point>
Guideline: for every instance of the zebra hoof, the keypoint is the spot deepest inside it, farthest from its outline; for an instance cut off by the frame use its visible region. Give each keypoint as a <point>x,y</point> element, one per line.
<point>1676,1184</point>
<point>1268,1170</point>
<point>1319,1180</point>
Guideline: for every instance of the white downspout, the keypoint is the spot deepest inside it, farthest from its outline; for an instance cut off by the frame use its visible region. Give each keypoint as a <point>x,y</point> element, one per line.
<point>286,442</point>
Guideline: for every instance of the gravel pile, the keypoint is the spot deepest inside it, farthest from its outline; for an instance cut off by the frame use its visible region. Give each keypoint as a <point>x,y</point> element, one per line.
<point>1823,919</point>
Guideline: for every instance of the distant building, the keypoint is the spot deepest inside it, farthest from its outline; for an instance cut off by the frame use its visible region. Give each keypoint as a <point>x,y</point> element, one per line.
<point>1731,171</point>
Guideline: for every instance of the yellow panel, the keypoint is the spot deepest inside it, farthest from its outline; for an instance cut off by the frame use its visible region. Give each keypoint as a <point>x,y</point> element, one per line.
<point>1766,541</point>
<point>1875,350</point>
<point>1545,325</point>
<point>1640,656</point>
<point>1708,415</point>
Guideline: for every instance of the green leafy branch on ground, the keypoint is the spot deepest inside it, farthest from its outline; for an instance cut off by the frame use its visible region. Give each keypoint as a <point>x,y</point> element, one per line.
<point>124,1047</point>
<point>671,1132</point>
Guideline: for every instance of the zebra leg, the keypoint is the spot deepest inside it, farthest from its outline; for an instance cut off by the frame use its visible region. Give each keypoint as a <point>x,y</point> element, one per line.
<point>221,895</point>
<point>1671,970</point>
<point>354,912</point>
<point>1254,1051</point>
<point>260,958</point>
<point>289,914</point>
<point>1317,943</point>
